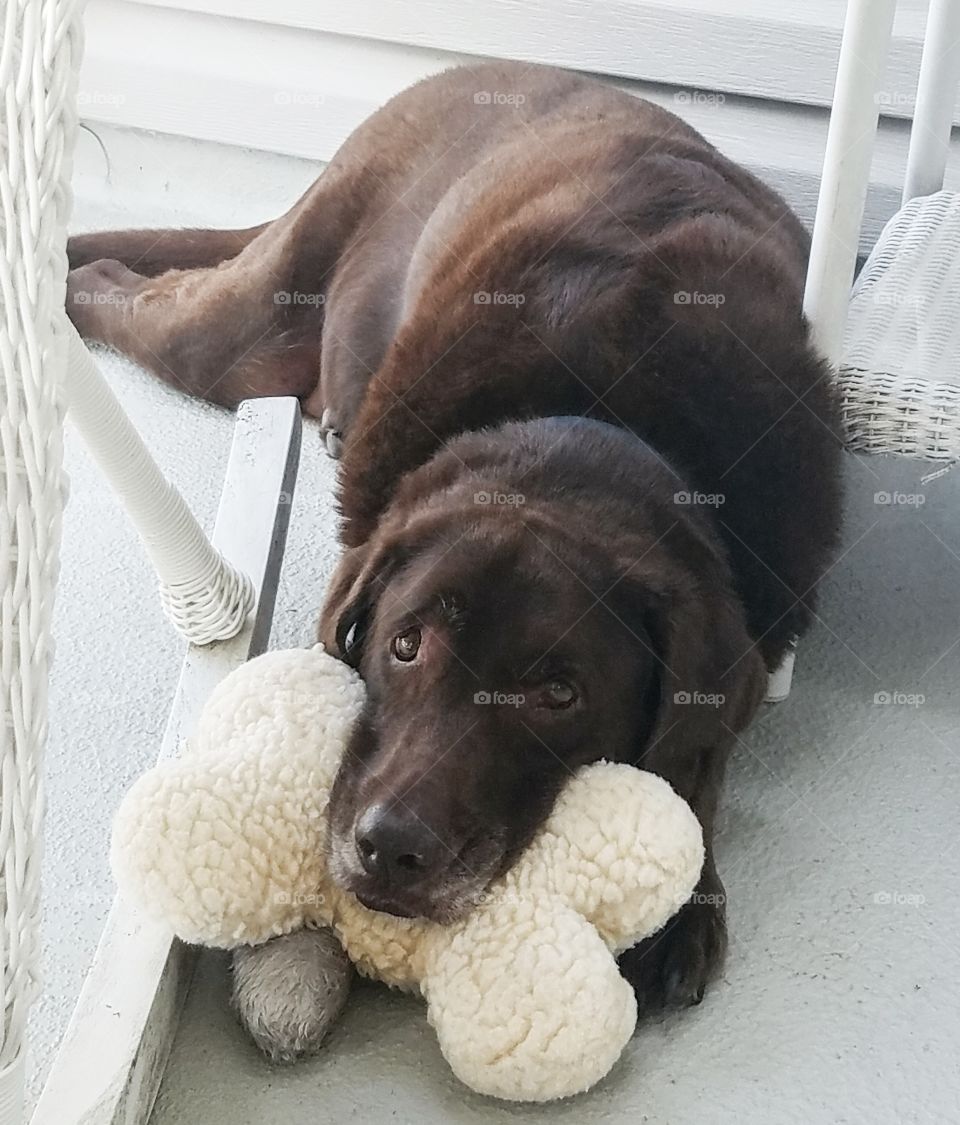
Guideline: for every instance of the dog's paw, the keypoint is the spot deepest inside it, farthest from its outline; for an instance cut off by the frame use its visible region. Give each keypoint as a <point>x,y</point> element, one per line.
<point>332,436</point>
<point>672,968</point>
<point>290,991</point>
<point>98,292</point>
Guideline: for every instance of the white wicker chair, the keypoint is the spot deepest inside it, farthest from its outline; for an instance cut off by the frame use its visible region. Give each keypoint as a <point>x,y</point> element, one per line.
<point>38,57</point>
<point>901,358</point>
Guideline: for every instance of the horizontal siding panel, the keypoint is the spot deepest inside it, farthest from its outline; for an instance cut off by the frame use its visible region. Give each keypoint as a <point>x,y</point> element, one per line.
<point>784,50</point>
<point>302,93</point>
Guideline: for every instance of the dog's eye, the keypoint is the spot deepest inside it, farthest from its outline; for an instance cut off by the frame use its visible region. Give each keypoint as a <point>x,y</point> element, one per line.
<point>557,694</point>
<point>406,645</point>
<point>350,640</point>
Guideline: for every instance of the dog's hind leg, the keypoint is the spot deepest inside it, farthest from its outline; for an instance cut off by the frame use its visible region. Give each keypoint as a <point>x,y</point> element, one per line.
<point>243,325</point>
<point>153,252</point>
<point>220,334</point>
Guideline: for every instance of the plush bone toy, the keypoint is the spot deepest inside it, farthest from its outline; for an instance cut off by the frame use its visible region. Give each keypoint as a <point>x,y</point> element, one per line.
<point>226,845</point>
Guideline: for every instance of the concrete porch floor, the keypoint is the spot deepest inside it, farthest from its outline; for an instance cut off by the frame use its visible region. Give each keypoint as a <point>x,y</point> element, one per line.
<point>839,1002</point>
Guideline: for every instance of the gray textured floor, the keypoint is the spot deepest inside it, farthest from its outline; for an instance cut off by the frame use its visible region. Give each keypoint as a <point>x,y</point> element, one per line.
<point>839,1002</point>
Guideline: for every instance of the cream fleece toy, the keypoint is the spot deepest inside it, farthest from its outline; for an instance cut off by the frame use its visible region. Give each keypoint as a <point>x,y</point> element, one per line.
<point>226,845</point>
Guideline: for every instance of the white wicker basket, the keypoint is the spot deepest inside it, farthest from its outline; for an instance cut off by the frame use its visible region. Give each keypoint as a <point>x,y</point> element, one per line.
<point>900,370</point>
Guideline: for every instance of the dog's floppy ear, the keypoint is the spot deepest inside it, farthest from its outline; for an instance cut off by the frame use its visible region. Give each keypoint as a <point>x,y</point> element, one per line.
<point>352,596</point>
<point>710,672</point>
<point>712,675</point>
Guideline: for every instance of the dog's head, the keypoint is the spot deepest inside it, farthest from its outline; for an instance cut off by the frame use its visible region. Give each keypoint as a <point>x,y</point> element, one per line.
<point>500,653</point>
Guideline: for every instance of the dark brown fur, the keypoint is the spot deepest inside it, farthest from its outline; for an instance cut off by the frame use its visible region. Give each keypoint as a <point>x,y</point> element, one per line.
<point>563,300</point>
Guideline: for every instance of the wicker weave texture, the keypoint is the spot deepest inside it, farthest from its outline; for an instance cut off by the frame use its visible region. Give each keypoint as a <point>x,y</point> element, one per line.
<point>900,375</point>
<point>39,44</point>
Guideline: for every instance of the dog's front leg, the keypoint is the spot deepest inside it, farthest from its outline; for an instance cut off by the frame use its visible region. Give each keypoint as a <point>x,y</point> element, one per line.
<point>672,968</point>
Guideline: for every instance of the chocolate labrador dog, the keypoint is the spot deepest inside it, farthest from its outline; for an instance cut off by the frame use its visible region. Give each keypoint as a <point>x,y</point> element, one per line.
<point>590,468</point>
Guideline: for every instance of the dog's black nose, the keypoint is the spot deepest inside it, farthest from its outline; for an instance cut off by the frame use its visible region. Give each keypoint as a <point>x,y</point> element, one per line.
<point>394,844</point>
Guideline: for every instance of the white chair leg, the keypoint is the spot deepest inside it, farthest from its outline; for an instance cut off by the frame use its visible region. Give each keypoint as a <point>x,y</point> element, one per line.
<point>204,597</point>
<point>936,95</point>
<point>846,170</point>
<point>780,681</point>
